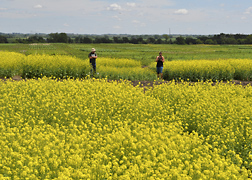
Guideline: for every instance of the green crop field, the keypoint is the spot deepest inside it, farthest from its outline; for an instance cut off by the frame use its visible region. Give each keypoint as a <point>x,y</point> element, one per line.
<point>145,53</point>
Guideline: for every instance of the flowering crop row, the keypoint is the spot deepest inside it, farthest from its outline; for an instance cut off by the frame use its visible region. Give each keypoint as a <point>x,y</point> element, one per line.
<point>123,69</point>
<point>10,63</point>
<point>41,65</point>
<point>94,129</point>
<point>197,70</point>
<point>243,68</point>
<point>63,67</point>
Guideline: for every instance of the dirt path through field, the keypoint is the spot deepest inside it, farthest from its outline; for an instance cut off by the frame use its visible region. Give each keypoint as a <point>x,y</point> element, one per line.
<point>151,83</point>
<point>147,83</point>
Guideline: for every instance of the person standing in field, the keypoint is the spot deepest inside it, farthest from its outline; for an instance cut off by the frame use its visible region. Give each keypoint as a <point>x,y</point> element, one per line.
<point>92,59</point>
<point>160,63</point>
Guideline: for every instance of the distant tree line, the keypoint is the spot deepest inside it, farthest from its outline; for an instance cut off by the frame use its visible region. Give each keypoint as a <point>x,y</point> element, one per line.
<point>52,38</point>
<point>218,39</point>
<point>3,39</point>
<point>134,39</point>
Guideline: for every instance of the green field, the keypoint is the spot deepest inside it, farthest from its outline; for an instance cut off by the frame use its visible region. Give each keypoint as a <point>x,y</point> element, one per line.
<point>145,53</point>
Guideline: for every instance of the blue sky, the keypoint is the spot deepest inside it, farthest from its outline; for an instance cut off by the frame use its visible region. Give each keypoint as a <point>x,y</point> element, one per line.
<point>126,17</point>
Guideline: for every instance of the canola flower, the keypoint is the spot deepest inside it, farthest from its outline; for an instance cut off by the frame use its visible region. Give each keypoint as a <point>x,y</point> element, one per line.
<point>95,129</point>
<point>63,67</point>
<point>10,64</point>
<point>243,69</point>
<point>198,70</point>
<point>117,69</point>
<point>220,113</point>
<point>119,63</point>
<point>59,66</point>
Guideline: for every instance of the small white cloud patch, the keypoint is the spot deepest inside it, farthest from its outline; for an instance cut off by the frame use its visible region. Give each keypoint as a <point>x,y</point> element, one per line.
<point>248,11</point>
<point>116,27</point>
<point>181,11</point>
<point>131,4</point>
<point>118,18</point>
<point>114,7</point>
<point>138,23</point>
<point>38,6</point>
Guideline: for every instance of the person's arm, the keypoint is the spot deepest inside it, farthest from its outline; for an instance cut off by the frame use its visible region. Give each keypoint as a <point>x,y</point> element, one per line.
<point>89,56</point>
<point>162,58</point>
<point>92,57</point>
<point>157,59</point>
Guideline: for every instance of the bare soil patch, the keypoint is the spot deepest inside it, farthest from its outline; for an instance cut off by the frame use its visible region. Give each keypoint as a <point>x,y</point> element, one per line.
<point>151,83</point>
<point>144,83</point>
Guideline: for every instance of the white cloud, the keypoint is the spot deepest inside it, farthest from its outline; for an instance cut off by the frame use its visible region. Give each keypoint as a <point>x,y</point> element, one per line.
<point>157,3</point>
<point>131,4</point>
<point>181,11</point>
<point>135,21</point>
<point>38,6</point>
<point>129,16</point>
<point>138,23</point>
<point>114,7</point>
<point>117,27</point>
<point>118,18</point>
<point>248,11</point>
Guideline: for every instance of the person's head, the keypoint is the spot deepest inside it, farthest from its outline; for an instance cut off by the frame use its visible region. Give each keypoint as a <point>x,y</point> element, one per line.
<point>93,50</point>
<point>160,53</point>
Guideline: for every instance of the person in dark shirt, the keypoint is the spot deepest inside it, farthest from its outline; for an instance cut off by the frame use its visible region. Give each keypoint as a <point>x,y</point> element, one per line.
<point>92,59</point>
<point>160,64</point>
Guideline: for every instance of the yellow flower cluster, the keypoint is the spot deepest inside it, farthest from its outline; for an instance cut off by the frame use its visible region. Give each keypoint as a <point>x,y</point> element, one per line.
<point>123,69</point>
<point>243,68</point>
<point>94,129</point>
<point>59,66</point>
<point>10,63</point>
<point>119,63</point>
<point>221,113</point>
<point>197,70</point>
<point>41,65</point>
<point>54,66</point>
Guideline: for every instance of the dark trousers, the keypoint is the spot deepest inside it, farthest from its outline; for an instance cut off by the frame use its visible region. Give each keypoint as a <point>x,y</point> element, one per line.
<point>93,67</point>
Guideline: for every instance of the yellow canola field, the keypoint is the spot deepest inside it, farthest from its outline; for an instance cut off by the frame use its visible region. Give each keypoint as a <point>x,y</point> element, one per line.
<point>198,70</point>
<point>243,68</point>
<point>119,63</point>
<point>123,69</point>
<point>94,129</point>
<point>59,66</point>
<point>10,64</point>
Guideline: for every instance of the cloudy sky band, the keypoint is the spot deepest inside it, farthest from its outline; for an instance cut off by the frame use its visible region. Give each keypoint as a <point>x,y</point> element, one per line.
<point>130,17</point>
